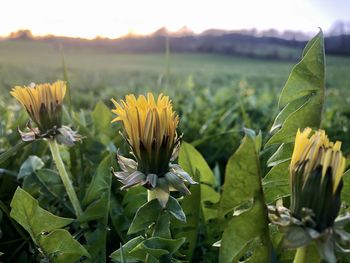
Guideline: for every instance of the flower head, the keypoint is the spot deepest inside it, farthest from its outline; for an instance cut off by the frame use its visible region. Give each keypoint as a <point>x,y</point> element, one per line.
<point>43,103</point>
<point>150,130</point>
<point>316,170</point>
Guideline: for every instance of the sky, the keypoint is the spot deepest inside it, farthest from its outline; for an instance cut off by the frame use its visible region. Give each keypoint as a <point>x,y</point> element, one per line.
<point>114,18</point>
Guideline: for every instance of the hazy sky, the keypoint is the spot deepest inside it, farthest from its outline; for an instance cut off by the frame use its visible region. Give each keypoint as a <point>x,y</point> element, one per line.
<point>112,18</point>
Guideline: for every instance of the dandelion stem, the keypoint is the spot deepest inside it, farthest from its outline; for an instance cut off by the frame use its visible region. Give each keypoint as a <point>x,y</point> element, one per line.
<point>300,255</point>
<point>64,177</point>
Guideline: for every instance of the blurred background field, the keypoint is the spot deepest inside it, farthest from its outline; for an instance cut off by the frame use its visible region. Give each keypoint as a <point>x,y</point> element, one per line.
<point>216,95</point>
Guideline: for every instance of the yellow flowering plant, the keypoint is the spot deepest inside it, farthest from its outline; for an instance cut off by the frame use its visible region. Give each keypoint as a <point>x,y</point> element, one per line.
<point>43,103</point>
<point>150,130</point>
<point>316,170</point>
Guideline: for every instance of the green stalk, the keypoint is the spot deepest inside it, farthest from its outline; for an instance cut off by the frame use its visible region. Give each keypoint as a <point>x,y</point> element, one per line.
<point>64,177</point>
<point>300,255</point>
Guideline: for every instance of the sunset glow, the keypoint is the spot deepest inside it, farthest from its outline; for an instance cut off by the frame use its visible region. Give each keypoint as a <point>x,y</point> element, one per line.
<point>110,18</point>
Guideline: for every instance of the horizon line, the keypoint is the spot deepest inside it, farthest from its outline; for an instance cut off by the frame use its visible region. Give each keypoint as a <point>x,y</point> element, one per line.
<point>183,31</point>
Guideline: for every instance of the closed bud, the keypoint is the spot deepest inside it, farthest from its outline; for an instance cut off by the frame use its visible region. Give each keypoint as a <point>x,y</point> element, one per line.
<point>150,130</point>
<point>43,103</point>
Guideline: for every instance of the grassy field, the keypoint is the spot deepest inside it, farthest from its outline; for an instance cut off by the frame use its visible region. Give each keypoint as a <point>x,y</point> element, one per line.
<point>26,61</point>
<point>215,95</point>
<point>23,62</point>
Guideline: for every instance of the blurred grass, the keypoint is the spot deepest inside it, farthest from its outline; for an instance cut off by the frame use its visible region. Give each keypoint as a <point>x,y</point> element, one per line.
<point>25,61</point>
<point>210,92</point>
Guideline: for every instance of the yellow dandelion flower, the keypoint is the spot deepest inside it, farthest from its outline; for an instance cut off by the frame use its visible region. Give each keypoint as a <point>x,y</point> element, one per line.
<point>150,130</point>
<point>318,151</point>
<point>316,171</point>
<point>43,103</point>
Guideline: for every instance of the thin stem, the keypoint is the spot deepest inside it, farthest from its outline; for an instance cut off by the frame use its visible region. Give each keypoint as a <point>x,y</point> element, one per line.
<point>150,196</point>
<point>64,177</point>
<point>300,255</point>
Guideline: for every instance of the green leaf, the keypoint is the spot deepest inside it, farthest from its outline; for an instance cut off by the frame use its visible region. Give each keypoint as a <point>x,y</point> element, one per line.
<point>246,236</point>
<point>52,182</point>
<point>286,111</point>
<point>137,249</point>
<point>133,199</point>
<point>102,117</point>
<point>129,246</point>
<point>118,218</point>
<point>191,205</point>
<point>44,228</point>
<point>32,164</point>
<point>276,182</point>
<point>282,154</point>
<point>61,247</point>
<point>12,151</point>
<point>27,212</point>
<point>247,233</point>
<point>242,177</point>
<point>345,193</point>
<point>302,97</point>
<point>175,209</point>
<point>192,161</point>
<point>158,246</point>
<point>145,215</point>
<point>162,225</point>
<point>97,203</point>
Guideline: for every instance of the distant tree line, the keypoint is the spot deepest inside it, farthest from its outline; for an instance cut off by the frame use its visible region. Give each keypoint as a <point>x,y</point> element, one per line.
<point>246,44</point>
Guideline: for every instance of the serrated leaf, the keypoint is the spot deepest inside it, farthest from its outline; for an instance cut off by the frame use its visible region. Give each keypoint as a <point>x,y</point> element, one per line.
<point>302,97</point>
<point>247,233</point>
<point>45,229</point>
<point>27,212</point>
<point>286,111</point>
<point>276,182</point>
<point>246,236</point>
<point>282,154</point>
<point>242,175</point>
